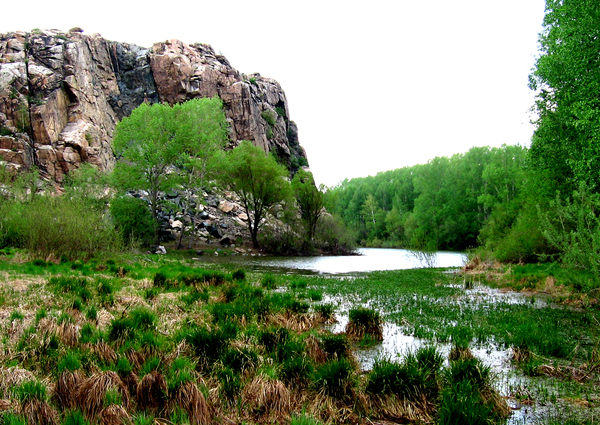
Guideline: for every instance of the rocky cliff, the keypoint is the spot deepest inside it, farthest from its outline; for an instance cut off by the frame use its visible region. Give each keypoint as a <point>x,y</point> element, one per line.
<point>62,94</point>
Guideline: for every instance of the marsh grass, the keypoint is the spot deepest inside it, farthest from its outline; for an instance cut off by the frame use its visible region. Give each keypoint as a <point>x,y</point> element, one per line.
<point>364,321</point>
<point>213,348</point>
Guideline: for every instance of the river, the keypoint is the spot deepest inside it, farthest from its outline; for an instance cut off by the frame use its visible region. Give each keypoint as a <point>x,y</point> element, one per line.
<point>370,259</point>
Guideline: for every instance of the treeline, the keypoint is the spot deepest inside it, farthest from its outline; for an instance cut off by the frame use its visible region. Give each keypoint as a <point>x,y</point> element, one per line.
<point>512,203</point>
<point>448,203</point>
<point>164,149</point>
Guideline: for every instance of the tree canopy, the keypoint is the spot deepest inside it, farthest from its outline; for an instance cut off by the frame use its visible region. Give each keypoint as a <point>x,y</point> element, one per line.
<point>259,182</point>
<point>155,138</point>
<point>566,78</point>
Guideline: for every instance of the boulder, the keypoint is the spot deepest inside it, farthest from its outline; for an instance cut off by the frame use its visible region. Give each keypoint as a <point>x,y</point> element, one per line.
<point>215,232</point>
<point>227,207</point>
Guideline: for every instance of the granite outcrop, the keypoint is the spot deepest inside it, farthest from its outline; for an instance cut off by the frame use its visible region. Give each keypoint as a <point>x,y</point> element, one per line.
<point>63,93</point>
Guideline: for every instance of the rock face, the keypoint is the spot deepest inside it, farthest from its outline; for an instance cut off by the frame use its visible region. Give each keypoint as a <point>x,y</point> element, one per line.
<point>62,94</point>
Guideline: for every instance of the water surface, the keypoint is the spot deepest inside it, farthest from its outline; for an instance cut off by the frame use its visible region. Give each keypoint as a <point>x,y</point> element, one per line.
<point>368,260</point>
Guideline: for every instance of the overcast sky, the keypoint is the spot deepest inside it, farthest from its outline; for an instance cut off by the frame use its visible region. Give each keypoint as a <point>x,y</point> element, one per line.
<point>373,85</point>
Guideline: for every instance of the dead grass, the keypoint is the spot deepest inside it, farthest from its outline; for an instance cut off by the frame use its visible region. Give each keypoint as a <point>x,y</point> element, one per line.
<point>189,398</point>
<point>314,350</point>
<point>91,392</point>
<point>152,391</point>
<point>65,389</point>
<point>68,333</point>
<point>393,408</point>
<point>115,415</point>
<point>12,377</point>
<point>39,412</point>
<point>268,398</point>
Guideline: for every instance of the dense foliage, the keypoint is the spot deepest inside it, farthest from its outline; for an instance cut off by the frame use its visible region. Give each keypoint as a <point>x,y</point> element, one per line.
<point>442,204</point>
<point>516,204</point>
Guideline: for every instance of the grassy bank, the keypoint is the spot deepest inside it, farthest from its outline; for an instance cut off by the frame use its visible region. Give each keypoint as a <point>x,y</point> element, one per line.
<point>157,339</point>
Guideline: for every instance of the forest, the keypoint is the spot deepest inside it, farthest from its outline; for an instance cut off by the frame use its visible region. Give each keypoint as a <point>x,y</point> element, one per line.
<point>512,203</point>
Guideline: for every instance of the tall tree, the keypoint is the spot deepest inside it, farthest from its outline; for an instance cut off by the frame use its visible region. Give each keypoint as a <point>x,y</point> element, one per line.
<point>566,141</point>
<point>310,200</point>
<point>202,129</point>
<point>146,146</point>
<point>259,182</point>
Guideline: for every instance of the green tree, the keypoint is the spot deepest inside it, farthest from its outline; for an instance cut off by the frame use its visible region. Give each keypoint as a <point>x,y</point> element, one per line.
<point>259,182</point>
<point>566,78</point>
<point>146,146</point>
<point>202,129</point>
<point>309,199</point>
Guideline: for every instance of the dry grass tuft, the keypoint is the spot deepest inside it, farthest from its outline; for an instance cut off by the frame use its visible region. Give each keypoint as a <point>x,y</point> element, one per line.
<point>136,359</point>
<point>131,381</point>
<point>331,410</point>
<point>92,391</point>
<point>183,349</point>
<point>269,398</point>
<point>520,354</point>
<point>68,333</point>
<point>114,415</point>
<point>13,376</point>
<point>65,389</point>
<point>189,398</point>
<point>152,391</point>
<point>104,352</point>
<point>292,321</point>
<point>6,405</point>
<point>47,326</point>
<point>398,410</point>
<point>314,350</point>
<point>39,412</point>
<point>460,353</point>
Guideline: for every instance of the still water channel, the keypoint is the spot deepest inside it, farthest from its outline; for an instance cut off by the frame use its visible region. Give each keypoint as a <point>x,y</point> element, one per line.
<point>369,259</point>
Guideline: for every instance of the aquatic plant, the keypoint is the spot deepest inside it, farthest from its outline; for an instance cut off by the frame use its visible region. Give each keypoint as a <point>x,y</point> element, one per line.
<point>363,321</point>
<point>334,379</point>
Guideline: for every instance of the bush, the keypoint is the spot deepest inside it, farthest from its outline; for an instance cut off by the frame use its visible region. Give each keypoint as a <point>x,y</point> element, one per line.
<point>133,219</point>
<point>333,237</point>
<point>55,227</point>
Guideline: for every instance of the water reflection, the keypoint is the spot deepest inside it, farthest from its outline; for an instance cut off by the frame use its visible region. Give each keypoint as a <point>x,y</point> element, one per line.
<point>370,259</point>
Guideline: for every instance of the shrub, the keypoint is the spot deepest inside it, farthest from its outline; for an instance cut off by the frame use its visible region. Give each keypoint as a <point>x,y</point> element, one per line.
<point>269,117</point>
<point>53,227</point>
<point>133,219</point>
<point>238,275</point>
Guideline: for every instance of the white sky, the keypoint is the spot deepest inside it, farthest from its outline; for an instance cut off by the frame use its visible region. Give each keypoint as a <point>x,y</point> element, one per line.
<point>373,86</point>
